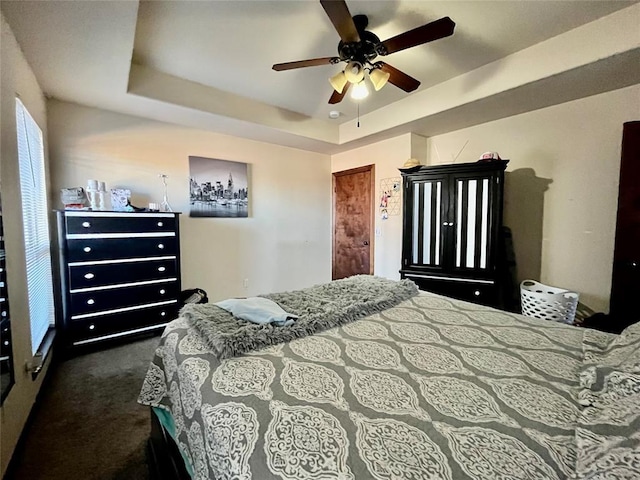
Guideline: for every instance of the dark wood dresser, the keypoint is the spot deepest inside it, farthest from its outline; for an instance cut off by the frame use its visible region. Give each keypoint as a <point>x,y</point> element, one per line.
<point>452,226</point>
<point>6,349</point>
<point>120,273</point>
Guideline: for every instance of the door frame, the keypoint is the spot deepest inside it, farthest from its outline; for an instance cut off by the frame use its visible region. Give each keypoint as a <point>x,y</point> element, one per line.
<point>372,169</point>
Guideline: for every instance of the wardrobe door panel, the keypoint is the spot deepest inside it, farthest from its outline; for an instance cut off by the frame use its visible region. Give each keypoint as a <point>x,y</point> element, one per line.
<point>473,223</point>
<point>427,223</point>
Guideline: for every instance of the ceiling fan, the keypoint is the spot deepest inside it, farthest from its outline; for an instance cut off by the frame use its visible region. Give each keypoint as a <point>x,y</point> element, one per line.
<point>359,48</point>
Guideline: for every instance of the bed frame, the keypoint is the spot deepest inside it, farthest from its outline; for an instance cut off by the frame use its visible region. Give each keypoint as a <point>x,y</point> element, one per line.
<point>163,457</point>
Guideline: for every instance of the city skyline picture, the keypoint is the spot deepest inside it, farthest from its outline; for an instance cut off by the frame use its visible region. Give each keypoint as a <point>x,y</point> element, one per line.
<point>218,188</point>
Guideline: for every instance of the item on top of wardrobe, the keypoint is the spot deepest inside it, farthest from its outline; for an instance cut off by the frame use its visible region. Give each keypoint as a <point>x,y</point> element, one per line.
<point>489,156</point>
<point>412,162</point>
<point>411,165</point>
<point>548,303</point>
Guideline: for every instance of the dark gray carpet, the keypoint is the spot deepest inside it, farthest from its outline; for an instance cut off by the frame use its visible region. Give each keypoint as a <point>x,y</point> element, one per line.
<point>88,424</point>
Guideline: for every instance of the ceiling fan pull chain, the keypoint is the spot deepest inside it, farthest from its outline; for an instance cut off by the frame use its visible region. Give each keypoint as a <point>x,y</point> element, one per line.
<point>358,114</point>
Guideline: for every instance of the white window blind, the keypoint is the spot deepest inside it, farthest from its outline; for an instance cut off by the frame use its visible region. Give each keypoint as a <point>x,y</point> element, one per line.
<point>36,225</point>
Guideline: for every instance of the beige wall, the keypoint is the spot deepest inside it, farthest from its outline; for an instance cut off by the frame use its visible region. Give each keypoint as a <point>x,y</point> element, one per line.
<point>561,187</point>
<point>283,245</point>
<point>17,79</point>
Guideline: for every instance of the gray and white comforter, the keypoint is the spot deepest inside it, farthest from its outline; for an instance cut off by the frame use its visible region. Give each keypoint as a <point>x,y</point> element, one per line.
<point>433,388</point>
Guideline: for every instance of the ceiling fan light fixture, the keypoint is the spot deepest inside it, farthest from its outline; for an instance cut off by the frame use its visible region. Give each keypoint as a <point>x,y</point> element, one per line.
<point>359,91</point>
<point>338,81</point>
<point>354,72</point>
<point>378,78</point>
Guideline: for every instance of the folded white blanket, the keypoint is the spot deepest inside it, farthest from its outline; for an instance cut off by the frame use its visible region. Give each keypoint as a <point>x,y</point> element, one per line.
<point>258,310</point>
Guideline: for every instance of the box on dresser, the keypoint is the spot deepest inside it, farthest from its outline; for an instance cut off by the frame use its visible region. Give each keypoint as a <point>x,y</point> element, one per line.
<point>120,273</point>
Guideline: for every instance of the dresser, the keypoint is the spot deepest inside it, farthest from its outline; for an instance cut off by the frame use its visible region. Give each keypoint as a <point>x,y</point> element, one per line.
<point>452,230</point>
<point>6,349</point>
<point>120,273</point>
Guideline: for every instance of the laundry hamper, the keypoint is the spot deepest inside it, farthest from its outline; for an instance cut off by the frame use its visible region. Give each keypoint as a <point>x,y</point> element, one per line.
<point>548,303</point>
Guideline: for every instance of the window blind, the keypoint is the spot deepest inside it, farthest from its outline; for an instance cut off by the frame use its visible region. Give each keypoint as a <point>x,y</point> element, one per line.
<point>36,225</point>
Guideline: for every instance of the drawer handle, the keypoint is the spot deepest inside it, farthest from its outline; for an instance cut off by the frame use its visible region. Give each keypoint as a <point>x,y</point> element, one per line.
<point>160,224</point>
<point>163,291</point>
<point>86,224</point>
<point>91,301</point>
<point>92,327</point>
<point>87,249</point>
<point>162,269</point>
<point>160,246</point>
<point>6,343</point>
<point>477,293</point>
<point>163,313</point>
<point>89,276</point>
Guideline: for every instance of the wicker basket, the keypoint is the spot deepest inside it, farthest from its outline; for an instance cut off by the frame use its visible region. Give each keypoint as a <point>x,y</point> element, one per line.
<point>548,303</point>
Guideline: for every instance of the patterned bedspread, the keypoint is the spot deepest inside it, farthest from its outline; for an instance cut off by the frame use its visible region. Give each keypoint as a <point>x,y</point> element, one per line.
<point>433,388</point>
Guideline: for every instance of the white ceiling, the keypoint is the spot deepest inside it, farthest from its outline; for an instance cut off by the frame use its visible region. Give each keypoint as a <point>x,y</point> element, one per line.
<point>232,45</point>
<point>208,63</point>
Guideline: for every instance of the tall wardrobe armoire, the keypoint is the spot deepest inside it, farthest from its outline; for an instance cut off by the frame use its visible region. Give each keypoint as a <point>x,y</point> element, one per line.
<point>452,227</point>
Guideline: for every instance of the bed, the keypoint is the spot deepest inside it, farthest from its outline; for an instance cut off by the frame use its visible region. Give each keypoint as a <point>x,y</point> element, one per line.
<point>407,386</point>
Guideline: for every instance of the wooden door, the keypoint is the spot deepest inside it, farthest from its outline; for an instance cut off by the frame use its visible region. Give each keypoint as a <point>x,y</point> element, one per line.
<point>353,209</point>
<point>625,287</point>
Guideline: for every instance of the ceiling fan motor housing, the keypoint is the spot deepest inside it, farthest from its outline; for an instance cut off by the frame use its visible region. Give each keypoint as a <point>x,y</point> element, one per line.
<point>366,49</point>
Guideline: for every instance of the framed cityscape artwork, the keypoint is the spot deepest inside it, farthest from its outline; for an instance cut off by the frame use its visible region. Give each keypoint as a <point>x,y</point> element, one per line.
<point>218,188</point>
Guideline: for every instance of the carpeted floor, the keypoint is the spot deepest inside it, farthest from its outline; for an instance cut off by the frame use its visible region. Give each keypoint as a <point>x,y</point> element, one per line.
<point>88,425</point>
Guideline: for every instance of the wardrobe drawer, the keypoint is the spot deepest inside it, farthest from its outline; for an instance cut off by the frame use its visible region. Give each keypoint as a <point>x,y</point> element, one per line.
<point>119,324</point>
<point>93,249</point>
<point>476,292</point>
<point>101,300</point>
<point>87,276</point>
<point>123,223</point>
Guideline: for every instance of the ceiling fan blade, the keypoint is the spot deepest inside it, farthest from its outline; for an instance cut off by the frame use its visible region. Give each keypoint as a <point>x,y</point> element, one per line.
<point>339,15</point>
<point>426,33</point>
<point>336,97</point>
<point>398,78</point>
<point>314,62</point>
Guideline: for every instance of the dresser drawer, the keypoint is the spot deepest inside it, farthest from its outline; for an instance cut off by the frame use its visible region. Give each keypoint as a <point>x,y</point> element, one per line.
<point>119,324</point>
<point>121,223</point>
<point>5,338</point>
<point>101,300</point>
<point>88,276</point>
<point>93,249</point>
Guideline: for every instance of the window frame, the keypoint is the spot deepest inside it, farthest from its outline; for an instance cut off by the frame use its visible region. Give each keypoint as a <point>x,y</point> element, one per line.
<point>36,230</point>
